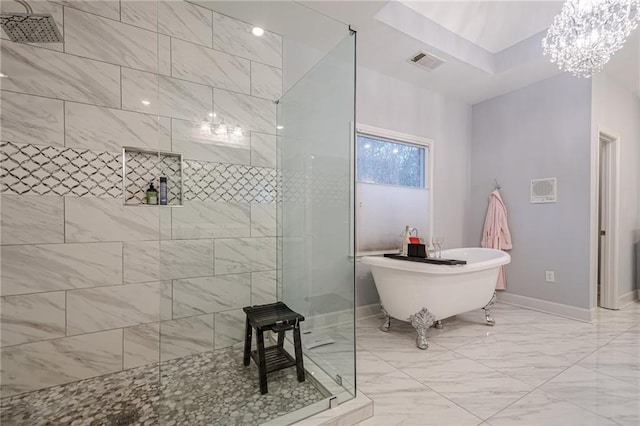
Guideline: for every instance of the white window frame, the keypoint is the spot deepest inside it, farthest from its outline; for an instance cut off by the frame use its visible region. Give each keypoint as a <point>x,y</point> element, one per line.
<point>406,138</point>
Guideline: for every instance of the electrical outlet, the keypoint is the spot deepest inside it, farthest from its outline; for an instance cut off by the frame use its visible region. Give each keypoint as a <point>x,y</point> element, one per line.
<point>550,276</point>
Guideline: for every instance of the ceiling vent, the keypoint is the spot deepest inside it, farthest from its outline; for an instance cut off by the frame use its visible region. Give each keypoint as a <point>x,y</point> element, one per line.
<point>426,60</point>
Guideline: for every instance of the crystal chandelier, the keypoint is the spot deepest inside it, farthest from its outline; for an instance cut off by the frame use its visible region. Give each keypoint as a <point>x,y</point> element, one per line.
<point>587,32</point>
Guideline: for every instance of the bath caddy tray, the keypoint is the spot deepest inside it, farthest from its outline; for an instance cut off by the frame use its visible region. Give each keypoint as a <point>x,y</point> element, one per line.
<point>422,260</point>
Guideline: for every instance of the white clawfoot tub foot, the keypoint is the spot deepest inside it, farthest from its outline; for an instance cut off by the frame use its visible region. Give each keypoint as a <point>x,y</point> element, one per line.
<point>439,325</point>
<point>386,323</point>
<point>421,321</point>
<point>487,310</point>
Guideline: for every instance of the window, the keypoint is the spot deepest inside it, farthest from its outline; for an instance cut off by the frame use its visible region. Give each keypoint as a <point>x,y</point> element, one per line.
<point>390,162</point>
<point>392,188</point>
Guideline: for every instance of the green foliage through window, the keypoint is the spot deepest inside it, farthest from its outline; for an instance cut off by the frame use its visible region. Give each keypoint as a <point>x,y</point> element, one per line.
<point>387,162</point>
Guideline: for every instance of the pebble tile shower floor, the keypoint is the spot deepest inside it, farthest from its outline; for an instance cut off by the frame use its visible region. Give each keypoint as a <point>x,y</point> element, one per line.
<point>212,388</point>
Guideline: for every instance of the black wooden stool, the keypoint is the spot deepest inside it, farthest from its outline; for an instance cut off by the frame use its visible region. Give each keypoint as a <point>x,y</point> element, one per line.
<point>278,318</point>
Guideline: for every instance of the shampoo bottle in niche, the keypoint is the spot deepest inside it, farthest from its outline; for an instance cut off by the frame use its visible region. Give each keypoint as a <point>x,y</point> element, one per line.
<point>163,191</point>
<point>152,195</point>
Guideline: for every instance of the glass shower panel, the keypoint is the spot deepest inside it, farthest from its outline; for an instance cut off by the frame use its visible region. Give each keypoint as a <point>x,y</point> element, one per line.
<point>217,86</point>
<point>315,213</point>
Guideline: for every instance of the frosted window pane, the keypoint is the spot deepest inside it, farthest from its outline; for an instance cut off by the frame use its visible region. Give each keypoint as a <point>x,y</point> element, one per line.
<point>387,162</point>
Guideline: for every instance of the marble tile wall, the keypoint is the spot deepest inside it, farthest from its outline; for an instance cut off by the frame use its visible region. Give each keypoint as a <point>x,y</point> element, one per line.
<point>90,286</point>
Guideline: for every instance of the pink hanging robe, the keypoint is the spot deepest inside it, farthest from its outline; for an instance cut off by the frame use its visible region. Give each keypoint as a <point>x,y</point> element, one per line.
<point>496,232</point>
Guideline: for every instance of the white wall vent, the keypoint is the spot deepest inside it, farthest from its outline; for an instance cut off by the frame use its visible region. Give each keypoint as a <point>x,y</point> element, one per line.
<point>426,60</point>
<point>544,190</point>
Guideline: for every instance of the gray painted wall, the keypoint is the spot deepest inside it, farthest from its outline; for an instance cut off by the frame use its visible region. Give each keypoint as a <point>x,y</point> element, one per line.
<point>617,110</point>
<point>388,103</point>
<point>542,130</point>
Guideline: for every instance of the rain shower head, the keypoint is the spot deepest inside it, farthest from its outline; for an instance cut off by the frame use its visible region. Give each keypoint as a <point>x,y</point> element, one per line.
<point>30,27</point>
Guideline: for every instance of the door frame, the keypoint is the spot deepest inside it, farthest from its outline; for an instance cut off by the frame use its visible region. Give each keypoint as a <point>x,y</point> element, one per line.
<point>609,286</point>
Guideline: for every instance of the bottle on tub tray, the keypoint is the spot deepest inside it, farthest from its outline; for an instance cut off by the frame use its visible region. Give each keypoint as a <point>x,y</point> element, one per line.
<point>405,240</point>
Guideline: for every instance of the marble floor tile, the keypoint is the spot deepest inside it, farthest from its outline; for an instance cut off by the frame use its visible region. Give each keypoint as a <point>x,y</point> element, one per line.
<point>608,397</point>
<point>402,400</point>
<point>455,335</point>
<point>371,367</point>
<point>562,326</point>
<point>481,390</point>
<point>628,342</point>
<point>542,409</point>
<point>399,352</point>
<point>569,348</point>
<point>534,369</point>
<point>612,362</point>
<point>531,369</point>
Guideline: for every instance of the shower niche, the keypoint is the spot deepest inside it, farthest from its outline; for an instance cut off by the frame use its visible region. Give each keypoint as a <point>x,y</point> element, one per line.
<point>141,168</point>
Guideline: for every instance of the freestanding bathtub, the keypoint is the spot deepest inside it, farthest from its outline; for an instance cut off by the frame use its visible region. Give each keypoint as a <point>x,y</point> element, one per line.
<point>425,293</point>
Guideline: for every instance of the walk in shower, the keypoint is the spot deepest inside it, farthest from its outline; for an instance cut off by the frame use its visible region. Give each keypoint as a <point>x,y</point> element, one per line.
<point>117,312</point>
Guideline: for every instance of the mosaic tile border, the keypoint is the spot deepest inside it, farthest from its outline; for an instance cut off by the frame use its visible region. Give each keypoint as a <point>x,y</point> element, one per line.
<point>229,182</point>
<point>48,170</point>
<point>27,169</point>
<point>315,186</point>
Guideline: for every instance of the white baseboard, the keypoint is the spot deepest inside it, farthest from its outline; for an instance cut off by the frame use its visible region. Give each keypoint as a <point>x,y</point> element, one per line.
<point>367,311</point>
<point>627,299</point>
<point>567,311</point>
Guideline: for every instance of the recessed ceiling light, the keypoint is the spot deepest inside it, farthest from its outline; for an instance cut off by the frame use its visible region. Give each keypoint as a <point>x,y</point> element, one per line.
<point>257,31</point>
<point>279,127</point>
<point>3,75</point>
<point>146,103</point>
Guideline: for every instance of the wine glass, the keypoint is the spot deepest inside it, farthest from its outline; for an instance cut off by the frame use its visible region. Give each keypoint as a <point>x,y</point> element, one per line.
<point>440,243</point>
